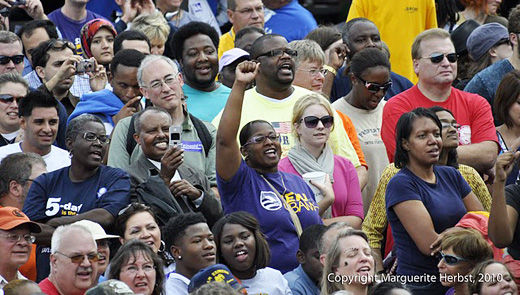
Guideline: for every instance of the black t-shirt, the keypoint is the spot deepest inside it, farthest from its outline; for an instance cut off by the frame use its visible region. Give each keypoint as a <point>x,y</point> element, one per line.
<point>513,200</point>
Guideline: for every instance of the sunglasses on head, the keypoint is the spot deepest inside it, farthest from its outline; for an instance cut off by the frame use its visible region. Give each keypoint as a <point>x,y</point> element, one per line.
<point>375,87</point>
<point>312,121</point>
<point>438,57</point>
<point>16,59</point>
<point>7,98</point>
<point>451,259</point>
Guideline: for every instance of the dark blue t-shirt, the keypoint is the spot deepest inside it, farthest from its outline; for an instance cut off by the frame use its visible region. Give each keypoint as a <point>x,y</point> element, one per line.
<point>342,85</point>
<point>247,191</point>
<point>443,200</point>
<point>54,195</point>
<point>71,29</point>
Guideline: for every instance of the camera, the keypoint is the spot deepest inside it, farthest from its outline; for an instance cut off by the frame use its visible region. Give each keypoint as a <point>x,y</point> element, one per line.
<point>175,135</point>
<point>86,65</point>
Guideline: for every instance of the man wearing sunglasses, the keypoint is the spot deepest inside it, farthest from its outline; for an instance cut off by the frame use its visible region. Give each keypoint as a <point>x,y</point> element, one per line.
<point>12,88</point>
<point>15,242</point>
<point>11,53</point>
<point>435,63</point>
<point>74,261</point>
<point>485,82</point>
<point>274,96</point>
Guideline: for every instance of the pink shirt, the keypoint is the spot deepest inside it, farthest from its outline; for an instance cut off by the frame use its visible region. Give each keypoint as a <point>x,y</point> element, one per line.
<point>348,201</point>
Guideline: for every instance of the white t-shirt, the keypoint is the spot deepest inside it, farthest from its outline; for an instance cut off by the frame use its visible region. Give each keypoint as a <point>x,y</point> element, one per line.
<point>267,281</point>
<point>368,128</point>
<point>56,159</point>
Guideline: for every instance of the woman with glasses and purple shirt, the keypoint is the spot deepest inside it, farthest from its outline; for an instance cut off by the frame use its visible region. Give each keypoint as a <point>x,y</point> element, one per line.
<point>460,251</point>
<point>282,203</point>
<point>423,199</point>
<point>312,123</point>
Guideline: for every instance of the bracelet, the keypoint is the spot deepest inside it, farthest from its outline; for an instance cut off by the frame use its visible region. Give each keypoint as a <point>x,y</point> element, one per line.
<point>330,69</point>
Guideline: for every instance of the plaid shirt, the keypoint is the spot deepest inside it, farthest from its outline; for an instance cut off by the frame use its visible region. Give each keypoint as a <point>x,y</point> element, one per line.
<point>80,86</point>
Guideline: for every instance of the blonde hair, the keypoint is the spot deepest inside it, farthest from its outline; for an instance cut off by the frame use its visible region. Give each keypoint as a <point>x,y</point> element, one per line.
<point>426,35</point>
<point>308,50</point>
<point>154,26</point>
<point>303,103</point>
<point>332,261</point>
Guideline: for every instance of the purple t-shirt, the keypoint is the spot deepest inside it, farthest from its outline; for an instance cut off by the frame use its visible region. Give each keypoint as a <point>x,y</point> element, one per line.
<point>443,200</point>
<point>70,29</point>
<point>348,201</point>
<point>247,191</point>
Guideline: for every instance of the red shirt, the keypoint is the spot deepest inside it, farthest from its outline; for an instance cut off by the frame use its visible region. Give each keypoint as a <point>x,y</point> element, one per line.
<point>48,287</point>
<point>471,111</point>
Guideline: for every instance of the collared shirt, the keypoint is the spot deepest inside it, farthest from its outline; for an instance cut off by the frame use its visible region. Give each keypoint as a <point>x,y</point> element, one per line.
<point>176,284</point>
<point>80,86</point>
<point>300,283</point>
<point>4,282</point>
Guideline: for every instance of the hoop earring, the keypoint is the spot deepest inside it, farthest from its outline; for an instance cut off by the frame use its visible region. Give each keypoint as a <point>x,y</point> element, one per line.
<point>162,248</point>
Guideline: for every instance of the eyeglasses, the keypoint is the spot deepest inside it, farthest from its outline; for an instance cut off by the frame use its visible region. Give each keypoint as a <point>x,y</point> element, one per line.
<point>312,121</point>
<point>446,125</point>
<point>133,269</point>
<point>314,72</point>
<point>375,87</point>
<point>262,138</point>
<point>169,81</point>
<point>77,259</point>
<point>91,136</point>
<point>16,59</point>
<point>15,238</point>
<point>279,52</point>
<point>249,11</point>
<point>7,98</point>
<point>451,259</point>
<point>438,57</point>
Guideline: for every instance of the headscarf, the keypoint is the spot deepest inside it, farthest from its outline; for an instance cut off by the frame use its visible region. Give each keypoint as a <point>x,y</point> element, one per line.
<point>90,29</point>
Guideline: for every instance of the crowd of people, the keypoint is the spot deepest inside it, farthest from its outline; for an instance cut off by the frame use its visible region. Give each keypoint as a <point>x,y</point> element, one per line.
<point>236,147</point>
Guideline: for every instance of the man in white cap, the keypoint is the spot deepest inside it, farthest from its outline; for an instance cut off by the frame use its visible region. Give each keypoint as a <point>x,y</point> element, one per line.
<point>15,243</point>
<point>102,241</point>
<point>228,63</point>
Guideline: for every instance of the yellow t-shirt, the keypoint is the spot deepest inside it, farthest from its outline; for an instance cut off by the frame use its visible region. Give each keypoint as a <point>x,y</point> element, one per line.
<point>227,42</point>
<point>399,23</point>
<point>279,114</point>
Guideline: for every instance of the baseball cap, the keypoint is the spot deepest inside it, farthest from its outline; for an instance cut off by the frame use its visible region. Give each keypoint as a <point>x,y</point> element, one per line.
<point>231,56</point>
<point>214,273</point>
<point>95,229</point>
<point>110,287</point>
<point>11,217</point>
<point>484,38</point>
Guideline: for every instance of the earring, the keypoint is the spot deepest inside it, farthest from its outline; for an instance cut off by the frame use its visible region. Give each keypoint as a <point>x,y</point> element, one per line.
<point>179,257</point>
<point>162,247</point>
<point>70,154</point>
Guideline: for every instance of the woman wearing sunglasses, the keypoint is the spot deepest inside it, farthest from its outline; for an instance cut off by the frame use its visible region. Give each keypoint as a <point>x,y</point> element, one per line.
<point>460,251</point>
<point>312,123</point>
<point>423,199</point>
<point>370,78</point>
<point>282,203</point>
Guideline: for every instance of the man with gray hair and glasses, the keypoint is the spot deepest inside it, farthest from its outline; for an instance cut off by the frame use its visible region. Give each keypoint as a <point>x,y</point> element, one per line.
<point>74,261</point>
<point>161,83</point>
<point>15,243</point>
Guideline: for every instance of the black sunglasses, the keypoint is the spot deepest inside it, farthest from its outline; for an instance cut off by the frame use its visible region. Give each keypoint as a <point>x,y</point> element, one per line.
<point>438,57</point>
<point>312,121</point>
<point>451,259</point>
<point>16,59</point>
<point>375,87</point>
<point>279,52</point>
<point>7,98</point>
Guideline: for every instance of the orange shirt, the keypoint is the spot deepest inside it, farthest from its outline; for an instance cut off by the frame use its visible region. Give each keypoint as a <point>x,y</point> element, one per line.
<point>352,135</point>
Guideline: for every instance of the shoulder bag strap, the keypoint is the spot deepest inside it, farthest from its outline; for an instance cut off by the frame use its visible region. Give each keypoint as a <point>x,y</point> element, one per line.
<point>294,218</point>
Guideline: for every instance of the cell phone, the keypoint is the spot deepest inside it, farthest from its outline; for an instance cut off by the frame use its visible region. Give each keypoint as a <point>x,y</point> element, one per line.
<point>86,65</point>
<point>175,135</point>
<point>18,2</point>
